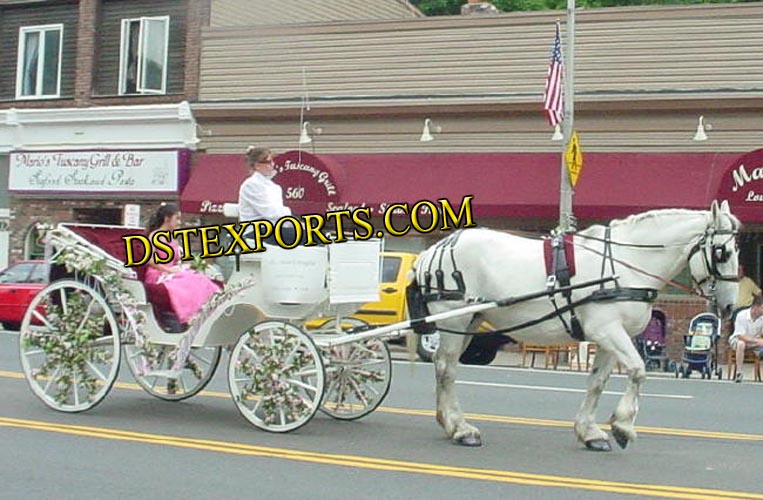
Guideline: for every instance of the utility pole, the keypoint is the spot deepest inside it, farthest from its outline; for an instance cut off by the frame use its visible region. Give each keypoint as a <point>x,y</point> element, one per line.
<point>566,219</point>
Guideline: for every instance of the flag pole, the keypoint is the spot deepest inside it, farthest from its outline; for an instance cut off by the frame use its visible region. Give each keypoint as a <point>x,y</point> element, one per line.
<point>566,219</point>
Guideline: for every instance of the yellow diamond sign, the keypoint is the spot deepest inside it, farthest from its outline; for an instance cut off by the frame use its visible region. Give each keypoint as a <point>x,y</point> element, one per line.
<point>573,157</point>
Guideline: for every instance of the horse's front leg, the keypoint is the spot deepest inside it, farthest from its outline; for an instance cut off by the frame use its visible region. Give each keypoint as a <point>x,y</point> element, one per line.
<point>449,413</point>
<point>623,419</point>
<point>586,428</point>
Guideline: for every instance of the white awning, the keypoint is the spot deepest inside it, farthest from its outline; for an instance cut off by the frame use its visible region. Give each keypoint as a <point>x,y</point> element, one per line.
<point>140,127</point>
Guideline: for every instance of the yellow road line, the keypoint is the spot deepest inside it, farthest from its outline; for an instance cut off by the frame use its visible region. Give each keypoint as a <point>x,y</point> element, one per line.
<point>361,462</point>
<point>660,431</point>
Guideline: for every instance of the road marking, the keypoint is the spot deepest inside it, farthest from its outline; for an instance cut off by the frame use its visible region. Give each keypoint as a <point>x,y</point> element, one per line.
<point>660,431</point>
<point>361,462</point>
<point>568,389</point>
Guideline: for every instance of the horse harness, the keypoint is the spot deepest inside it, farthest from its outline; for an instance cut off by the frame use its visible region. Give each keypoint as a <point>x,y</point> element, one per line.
<point>558,281</point>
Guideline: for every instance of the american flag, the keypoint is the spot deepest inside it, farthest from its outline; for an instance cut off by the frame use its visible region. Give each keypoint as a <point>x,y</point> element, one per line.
<point>553,96</point>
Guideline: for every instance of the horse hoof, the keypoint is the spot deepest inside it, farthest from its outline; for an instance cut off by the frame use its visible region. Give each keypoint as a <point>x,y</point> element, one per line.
<point>472,441</point>
<point>598,445</point>
<point>621,438</point>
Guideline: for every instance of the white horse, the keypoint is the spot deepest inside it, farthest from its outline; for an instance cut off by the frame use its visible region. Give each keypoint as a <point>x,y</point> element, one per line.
<point>642,251</point>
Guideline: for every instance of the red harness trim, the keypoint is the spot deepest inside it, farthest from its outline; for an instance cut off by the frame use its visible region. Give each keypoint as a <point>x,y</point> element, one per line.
<point>569,255</point>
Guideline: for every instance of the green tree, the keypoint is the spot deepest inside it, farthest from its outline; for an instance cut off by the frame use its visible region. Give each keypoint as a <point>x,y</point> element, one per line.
<point>450,7</point>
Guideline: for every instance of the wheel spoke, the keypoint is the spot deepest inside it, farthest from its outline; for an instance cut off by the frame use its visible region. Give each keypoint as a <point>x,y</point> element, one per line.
<point>96,371</point>
<point>311,371</point>
<point>303,385</point>
<point>195,354</point>
<point>51,380</point>
<point>42,318</point>
<point>64,303</point>
<point>75,389</point>
<point>85,317</point>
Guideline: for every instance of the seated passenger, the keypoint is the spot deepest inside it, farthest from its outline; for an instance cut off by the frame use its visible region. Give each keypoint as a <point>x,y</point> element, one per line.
<point>186,289</point>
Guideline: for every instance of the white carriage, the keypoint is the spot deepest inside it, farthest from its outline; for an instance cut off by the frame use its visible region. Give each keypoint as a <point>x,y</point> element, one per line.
<point>95,310</point>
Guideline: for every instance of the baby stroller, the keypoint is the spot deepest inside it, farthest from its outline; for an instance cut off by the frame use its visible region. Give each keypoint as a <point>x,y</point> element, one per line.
<point>700,350</point>
<point>651,343</point>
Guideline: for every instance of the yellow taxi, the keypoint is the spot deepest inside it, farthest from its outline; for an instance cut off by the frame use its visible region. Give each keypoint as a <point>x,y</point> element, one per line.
<point>391,307</point>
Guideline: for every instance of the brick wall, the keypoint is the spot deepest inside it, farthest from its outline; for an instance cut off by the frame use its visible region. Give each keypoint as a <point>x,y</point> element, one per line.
<point>86,47</point>
<point>199,12</point>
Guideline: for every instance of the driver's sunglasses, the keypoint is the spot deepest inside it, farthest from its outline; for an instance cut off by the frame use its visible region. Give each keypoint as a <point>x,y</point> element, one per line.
<point>266,161</point>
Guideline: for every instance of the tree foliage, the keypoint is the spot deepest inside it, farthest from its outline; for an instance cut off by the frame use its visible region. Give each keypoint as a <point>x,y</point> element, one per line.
<point>449,7</point>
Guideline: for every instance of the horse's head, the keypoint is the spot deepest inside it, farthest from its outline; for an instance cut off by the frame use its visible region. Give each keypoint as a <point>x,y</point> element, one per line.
<point>714,259</point>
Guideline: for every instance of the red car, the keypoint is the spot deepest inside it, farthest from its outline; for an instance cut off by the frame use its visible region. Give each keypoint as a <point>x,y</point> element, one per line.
<point>19,284</point>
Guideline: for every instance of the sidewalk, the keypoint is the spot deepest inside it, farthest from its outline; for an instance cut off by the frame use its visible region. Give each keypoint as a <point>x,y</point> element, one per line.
<point>513,359</point>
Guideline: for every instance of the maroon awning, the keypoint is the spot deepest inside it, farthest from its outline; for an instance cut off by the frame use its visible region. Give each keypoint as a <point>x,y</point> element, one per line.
<point>515,185</point>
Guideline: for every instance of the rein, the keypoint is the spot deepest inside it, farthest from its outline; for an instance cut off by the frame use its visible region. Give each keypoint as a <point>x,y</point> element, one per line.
<point>608,256</point>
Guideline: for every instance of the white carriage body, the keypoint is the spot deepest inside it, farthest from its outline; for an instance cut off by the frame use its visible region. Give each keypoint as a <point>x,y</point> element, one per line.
<point>277,373</point>
<point>286,284</point>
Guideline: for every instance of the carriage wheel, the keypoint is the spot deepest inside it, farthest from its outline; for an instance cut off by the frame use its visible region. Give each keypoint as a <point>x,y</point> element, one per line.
<point>358,375</point>
<point>69,346</point>
<point>152,368</point>
<point>276,376</point>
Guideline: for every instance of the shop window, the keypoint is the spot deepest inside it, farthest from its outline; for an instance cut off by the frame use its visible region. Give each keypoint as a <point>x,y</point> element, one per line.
<point>38,69</point>
<point>110,216</point>
<point>143,55</point>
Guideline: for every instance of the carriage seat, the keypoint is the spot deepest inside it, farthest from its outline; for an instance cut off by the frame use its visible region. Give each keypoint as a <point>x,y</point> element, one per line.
<point>157,297</point>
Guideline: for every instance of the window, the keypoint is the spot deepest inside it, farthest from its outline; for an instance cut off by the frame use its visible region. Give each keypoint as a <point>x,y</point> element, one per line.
<point>98,216</point>
<point>390,268</point>
<point>38,70</point>
<point>143,58</point>
<point>18,273</point>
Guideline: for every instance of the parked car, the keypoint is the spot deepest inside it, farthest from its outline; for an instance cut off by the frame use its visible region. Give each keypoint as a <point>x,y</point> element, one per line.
<point>19,284</point>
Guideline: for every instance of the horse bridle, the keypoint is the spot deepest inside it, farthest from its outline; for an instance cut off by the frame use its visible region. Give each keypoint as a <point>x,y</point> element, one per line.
<point>718,255</point>
<point>713,254</point>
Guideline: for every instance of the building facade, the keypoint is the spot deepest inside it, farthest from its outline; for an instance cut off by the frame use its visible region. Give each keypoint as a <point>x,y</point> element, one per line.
<point>95,123</point>
<point>363,90</point>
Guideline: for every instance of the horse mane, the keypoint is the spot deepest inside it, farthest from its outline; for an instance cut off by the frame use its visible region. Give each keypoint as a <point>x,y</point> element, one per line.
<point>653,214</point>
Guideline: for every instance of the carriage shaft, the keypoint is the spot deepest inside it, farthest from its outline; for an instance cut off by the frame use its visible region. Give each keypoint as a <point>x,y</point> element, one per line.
<point>395,329</point>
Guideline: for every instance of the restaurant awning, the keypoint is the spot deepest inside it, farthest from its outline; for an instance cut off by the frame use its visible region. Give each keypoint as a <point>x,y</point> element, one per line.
<point>504,185</point>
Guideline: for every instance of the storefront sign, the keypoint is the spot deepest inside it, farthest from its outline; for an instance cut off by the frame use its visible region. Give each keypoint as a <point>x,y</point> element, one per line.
<point>210,207</point>
<point>131,215</point>
<point>742,184</point>
<point>305,177</point>
<point>78,171</point>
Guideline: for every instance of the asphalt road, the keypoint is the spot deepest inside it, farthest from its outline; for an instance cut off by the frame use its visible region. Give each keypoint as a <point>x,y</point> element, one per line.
<point>698,439</point>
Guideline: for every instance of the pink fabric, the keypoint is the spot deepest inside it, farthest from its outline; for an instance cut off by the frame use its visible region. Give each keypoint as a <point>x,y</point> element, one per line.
<point>187,290</point>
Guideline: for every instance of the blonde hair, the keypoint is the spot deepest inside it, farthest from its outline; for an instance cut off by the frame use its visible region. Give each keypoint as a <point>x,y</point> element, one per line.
<point>255,154</point>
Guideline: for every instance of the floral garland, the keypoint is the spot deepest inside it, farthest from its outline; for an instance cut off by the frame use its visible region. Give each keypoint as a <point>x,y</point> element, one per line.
<point>217,300</point>
<point>268,375</point>
<point>70,350</point>
<point>134,319</point>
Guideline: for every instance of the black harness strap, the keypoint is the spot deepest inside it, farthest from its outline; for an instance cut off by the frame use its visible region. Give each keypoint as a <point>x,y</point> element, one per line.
<point>602,295</point>
<point>561,277</point>
<point>440,292</point>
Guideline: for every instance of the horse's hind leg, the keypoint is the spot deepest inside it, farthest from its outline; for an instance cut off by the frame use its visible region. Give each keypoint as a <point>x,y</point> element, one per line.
<point>449,413</point>
<point>586,428</point>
